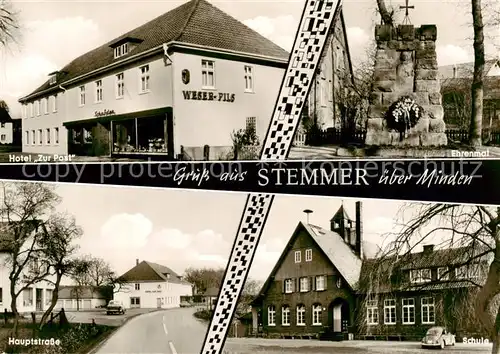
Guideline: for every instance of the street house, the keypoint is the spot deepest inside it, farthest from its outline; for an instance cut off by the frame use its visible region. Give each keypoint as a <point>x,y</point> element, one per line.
<point>151,285</point>
<point>187,78</point>
<point>326,285</point>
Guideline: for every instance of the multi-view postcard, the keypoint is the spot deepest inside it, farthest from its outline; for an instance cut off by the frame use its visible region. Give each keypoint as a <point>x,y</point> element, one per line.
<point>133,274</point>
<point>198,80</point>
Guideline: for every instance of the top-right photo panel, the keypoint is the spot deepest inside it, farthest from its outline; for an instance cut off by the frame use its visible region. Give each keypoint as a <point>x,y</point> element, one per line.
<point>214,81</point>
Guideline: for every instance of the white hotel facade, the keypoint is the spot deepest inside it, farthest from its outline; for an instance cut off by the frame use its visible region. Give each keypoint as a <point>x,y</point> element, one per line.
<point>186,79</point>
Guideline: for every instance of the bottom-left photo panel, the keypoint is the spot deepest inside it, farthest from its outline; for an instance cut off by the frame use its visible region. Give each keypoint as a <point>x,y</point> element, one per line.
<point>95,269</point>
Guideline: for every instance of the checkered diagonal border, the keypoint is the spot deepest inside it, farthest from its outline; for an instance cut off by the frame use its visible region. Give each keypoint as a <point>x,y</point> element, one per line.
<point>309,44</point>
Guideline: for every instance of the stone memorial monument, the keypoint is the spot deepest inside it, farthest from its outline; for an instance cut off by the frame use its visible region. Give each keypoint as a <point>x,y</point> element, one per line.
<point>405,102</point>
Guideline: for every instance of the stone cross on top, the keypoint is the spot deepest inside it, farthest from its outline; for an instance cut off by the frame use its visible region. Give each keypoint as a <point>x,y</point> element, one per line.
<point>407,7</point>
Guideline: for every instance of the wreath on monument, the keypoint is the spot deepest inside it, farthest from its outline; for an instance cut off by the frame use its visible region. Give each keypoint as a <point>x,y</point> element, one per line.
<point>403,115</point>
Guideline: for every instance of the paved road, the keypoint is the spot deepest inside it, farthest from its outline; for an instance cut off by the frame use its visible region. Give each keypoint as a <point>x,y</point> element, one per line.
<point>174,331</point>
<point>266,346</point>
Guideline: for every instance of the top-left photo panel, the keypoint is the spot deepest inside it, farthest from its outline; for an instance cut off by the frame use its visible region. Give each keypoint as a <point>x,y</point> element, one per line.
<point>177,81</point>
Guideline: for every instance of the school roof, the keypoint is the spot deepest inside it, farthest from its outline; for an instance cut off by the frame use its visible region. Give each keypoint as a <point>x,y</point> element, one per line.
<point>152,272</point>
<point>196,22</point>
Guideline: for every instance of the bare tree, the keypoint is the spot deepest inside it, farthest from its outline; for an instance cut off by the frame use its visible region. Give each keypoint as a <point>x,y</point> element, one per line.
<point>9,24</point>
<point>58,249</point>
<point>250,291</point>
<point>204,278</point>
<point>476,122</point>
<point>80,274</point>
<point>387,15</point>
<point>472,236</point>
<point>22,210</point>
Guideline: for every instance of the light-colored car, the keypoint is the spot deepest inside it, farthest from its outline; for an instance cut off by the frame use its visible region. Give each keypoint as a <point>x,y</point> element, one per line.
<point>438,337</point>
<point>186,304</point>
<point>115,307</point>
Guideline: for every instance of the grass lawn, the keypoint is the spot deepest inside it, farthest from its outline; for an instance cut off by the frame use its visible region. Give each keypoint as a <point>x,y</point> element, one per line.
<point>73,338</point>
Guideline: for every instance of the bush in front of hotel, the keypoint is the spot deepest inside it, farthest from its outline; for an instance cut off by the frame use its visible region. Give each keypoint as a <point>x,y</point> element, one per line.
<point>246,144</point>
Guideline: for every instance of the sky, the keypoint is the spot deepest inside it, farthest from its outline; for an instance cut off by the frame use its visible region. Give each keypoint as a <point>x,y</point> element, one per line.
<point>182,229</point>
<point>54,32</point>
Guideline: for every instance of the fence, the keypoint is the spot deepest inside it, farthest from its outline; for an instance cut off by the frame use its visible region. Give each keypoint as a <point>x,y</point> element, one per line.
<point>462,136</point>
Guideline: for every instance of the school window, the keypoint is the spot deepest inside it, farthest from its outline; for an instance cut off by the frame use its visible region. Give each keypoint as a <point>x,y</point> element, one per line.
<point>320,283</point>
<point>40,136</point>
<point>121,50</point>
<point>371,312</point>
<point>390,311</point>
<point>33,137</point>
<point>45,103</point>
<point>443,273</point>
<point>120,86</point>
<point>1,295</point>
<point>271,316</point>
<point>31,110</point>
<point>135,301</point>
<point>3,137</point>
<point>304,284</point>
<point>208,74</point>
<point>297,257</point>
<point>428,310</point>
<point>37,108</point>
<point>2,125</point>
<point>316,312</point>
<point>468,271</point>
<point>82,96</point>
<point>420,275</point>
<point>98,91</point>
<point>288,286</point>
<point>137,287</point>
<point>248,78</point>
<point>408,311</point>
<point>47,135</point>
<point>56,135</point>
<point>27,137</point>
<point>251,123</point>
<point>301,315</point>
<point>285,316</point>
<point>54,103</point>
<point>309,255</point>
<point>144,79</point>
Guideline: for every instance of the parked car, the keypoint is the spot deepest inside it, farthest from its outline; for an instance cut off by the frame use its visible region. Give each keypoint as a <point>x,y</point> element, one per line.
<point>438,337</point>
<point>186,304</point>
<point>115,307</point>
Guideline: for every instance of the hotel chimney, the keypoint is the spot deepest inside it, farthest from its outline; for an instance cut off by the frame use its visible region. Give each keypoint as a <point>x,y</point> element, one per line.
<point>359,230</point>
<point>137,261</point>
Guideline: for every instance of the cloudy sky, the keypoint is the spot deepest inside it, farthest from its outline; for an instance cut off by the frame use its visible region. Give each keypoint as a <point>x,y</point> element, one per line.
<point>53,32</point>
<point>182,229</point>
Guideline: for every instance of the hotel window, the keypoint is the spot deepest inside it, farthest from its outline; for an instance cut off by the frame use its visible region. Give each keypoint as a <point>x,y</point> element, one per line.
<point>2,125</point>
<point>251,123</point>
<point>428,313</point>
<point>98,91</point>
<point>298,257</point>
<point>31,110</point>
<point>408,311</point>
<point>420,275</point>
<point>468,271</point>
<point>248,78</point>
<point>301,315</point>
<point>45,103</point>
<point>33,137</point>
<point>3,137</point>
<point>271,316</point>
<point>288,286</point>
<point>135,301</point>
<point>144,84</point>
<point>304,284</point>
<point>28,297</point>
<point>121,50</point>
<point>37,108</point>
<point>1,295</point>
<point>371,312</point>
<point>316,315</point>
<point>309,255</point>
<point>120,86</point>
<point>208,74</point>
<point>285,316</point>
<point>82,96</point>
<point>40,136</point>
<point>443,273</point>
<point>47,135</point>
<point>389,311</point>
<point>56,135</point>
<point>320,283</point>
<point>27,136</point>
<point>54,103</point>
<point>137,287</point>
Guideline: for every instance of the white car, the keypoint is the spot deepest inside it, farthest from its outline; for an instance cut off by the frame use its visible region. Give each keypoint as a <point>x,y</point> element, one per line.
<point>438,337</point>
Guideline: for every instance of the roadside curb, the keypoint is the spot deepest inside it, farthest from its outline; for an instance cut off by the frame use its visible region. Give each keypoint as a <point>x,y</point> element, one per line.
<point>117,328</point>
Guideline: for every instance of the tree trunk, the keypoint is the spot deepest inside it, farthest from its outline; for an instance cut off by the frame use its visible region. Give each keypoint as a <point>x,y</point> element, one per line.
<point>475,130</point>
<point>13,306</point>
<point>384,14</point>
<point>53,303</point>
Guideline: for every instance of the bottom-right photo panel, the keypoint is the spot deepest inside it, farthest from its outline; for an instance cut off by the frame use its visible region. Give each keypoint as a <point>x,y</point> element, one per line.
<point>371,276</point>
